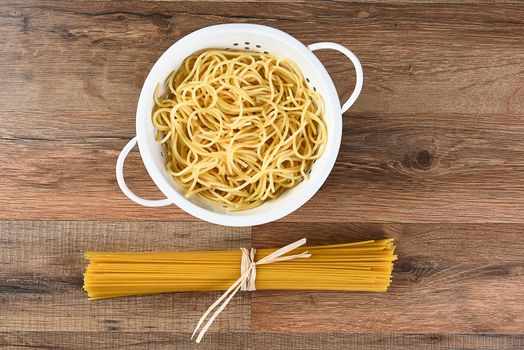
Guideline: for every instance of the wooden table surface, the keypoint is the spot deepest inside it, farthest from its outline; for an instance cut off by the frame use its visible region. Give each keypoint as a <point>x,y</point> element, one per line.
<point>432,155</point>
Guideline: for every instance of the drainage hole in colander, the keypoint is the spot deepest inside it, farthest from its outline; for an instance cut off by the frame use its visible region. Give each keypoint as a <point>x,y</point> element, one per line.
<point>314,88</point>
<point>235,44</point>
<point>247,47</point>
<point>307,79</point>
<point>267,53</point>
<point>247,43</point>
<point>258,46</point>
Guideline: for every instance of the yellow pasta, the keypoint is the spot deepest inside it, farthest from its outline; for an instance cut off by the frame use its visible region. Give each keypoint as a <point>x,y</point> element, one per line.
<point>360,266</point>
<point>238,127</point>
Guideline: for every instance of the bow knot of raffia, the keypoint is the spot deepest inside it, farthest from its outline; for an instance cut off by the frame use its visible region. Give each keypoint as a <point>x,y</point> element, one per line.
<point>246,282</point>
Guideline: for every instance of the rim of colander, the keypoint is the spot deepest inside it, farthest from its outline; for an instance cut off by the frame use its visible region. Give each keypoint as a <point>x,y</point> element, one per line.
<point>239,219</point>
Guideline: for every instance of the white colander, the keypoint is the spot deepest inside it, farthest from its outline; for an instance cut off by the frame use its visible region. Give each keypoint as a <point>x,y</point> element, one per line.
<point>239,37</point>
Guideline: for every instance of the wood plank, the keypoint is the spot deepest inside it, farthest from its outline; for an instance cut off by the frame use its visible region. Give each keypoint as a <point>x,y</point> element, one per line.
<point>448,279</point>
<point>437,173</point>
<point>411,53</point>
<point>436,135</point>
<point>258,341</point>
<point>42,266</point>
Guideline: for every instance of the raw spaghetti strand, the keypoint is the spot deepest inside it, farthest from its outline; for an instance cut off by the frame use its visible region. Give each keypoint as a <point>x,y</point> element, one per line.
<point>239,127</point>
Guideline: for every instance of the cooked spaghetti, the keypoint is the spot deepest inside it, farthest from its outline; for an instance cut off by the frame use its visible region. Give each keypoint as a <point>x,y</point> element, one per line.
<point>238,127</point>
<point>360,266</point>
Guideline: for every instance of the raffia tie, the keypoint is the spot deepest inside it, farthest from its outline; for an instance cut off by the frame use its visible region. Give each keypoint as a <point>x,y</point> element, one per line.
<point>246,282</point>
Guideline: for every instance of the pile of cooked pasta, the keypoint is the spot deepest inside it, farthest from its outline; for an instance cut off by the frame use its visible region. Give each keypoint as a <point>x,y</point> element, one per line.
<point>238,127</point>
<point>359,266</point>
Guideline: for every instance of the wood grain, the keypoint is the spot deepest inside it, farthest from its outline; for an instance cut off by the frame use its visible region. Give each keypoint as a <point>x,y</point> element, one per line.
<point>448,279</point>
<point>42,266</point>
<point>258,341</point>
<point>432,154</point>
<point>436,135</point>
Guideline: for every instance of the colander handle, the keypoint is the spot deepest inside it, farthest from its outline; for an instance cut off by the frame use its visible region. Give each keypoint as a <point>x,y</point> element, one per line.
<point>122,183</point>
<point>356,63</point>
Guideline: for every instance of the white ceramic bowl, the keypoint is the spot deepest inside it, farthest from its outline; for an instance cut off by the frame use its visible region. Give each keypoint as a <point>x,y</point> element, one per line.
<point>240,37</point>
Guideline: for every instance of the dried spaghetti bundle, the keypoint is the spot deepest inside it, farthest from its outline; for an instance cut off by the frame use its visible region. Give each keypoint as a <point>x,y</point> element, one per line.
<point>360,266</point>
